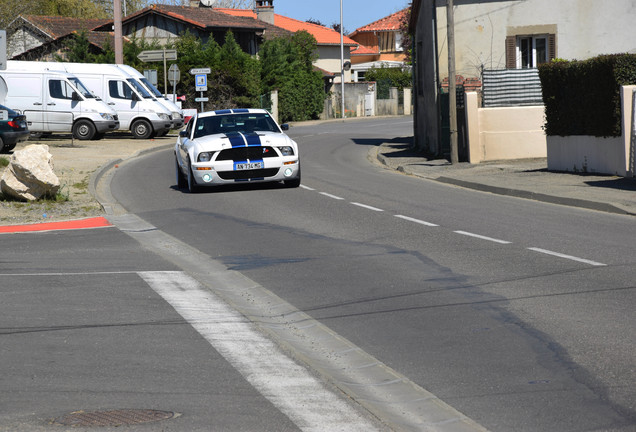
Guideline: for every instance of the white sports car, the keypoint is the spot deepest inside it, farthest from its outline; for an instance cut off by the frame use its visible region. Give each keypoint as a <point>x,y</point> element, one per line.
<point>237,145</point>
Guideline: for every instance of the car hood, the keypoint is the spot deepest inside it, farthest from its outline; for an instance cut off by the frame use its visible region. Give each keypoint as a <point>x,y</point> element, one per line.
<point>238,139</point>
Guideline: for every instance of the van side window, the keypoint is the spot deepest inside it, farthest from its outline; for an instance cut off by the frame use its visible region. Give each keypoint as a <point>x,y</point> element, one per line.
<point>60,89</point>
<point>119,90</point>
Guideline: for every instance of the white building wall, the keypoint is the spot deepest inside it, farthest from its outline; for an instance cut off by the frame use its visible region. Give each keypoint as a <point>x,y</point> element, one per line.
<point>584,29</point>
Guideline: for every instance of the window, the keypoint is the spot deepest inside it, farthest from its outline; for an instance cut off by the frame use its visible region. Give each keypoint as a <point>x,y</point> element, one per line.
<point>398,42</point>
<point>59,89</point>
<point>119,90</point>
<point>529,51</point>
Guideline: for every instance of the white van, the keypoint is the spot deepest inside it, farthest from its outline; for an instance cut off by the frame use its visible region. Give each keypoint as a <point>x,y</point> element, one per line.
<point>55,101</point>
<point>177,113</point>
<point>137,109</point>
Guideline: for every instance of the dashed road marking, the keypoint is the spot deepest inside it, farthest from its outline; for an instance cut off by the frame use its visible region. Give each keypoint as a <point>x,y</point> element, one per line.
<point>368,207</point>
<point>570,257</point>
<point>418,221</point>
<point>482,237</point>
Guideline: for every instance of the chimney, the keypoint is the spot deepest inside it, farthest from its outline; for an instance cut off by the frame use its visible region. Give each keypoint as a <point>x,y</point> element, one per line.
<point>265,11</point>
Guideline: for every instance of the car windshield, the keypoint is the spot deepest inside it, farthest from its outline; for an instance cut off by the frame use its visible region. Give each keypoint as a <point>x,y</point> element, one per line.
<point>245,123</point>
<point>80,88</point>
<point>141,89</point>
<point>151,88</point>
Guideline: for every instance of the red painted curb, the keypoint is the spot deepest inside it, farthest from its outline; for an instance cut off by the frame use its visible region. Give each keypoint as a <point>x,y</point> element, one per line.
<point>97,222</point>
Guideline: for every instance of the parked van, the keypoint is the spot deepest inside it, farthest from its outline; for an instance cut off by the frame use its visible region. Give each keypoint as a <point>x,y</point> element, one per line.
<point>177,113</point>
<point>55,101</point>
<point>137,109</point>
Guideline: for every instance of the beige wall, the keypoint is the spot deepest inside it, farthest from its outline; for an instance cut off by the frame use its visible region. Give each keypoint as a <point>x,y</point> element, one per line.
<point>504,133</point>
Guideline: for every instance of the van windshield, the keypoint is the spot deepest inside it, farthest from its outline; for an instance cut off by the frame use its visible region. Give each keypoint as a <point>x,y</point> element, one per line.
<point>141,89</point>
<point>152,89</point>
<point>81,89</point>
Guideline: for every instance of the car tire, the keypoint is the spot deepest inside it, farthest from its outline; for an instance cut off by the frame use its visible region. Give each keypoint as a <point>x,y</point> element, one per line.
<point>84,130</point>
<point>182,182</point>
<point>293,183</point>
<point>192,186</point>
<point>141,129</point>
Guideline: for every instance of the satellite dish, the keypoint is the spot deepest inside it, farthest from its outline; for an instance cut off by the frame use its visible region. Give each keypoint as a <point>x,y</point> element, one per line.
<point>207,3</point>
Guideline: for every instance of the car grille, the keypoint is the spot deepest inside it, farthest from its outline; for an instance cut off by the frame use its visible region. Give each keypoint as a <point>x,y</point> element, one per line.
<point>248,174</point>
<point>245,153</point>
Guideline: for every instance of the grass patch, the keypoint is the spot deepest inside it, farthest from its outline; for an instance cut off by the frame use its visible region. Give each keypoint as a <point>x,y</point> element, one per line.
<point>4,162</point>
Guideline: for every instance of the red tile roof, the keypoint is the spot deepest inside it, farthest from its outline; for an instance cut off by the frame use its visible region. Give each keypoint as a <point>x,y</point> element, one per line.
<point>389,23</point>
<point>57,26</point>
<point>364,50</point>
<point>200,17</point>
<point>323,35</point>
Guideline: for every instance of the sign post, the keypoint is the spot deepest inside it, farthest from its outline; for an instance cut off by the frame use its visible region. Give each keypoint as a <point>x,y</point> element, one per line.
<point>201,82</point>
<point>174,76</point>
<point>159,55</point>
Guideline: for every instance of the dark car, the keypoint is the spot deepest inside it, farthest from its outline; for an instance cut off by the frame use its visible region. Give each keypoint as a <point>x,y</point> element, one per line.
<point>13,129</point>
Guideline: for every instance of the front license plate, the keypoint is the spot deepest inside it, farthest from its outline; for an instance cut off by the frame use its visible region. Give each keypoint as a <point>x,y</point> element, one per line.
<point>247,166</point>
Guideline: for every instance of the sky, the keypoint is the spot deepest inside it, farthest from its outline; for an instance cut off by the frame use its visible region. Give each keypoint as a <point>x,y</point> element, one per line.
<point>356,13</point>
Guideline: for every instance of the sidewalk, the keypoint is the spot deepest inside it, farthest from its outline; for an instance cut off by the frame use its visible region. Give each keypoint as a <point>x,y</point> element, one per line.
<point>527,178</point>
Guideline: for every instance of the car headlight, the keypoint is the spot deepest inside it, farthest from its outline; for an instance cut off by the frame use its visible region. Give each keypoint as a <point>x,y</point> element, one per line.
<point>176,115</point>
<point>286,151</point>
<point>163,116</point>
<point>106,116</point>
<point>204,157</point>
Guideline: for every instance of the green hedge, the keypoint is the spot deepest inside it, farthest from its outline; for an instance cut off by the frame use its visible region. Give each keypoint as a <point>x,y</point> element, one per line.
<point>583,97</point>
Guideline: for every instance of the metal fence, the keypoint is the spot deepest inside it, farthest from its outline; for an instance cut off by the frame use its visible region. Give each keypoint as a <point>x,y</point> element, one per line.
<point>511,87</point>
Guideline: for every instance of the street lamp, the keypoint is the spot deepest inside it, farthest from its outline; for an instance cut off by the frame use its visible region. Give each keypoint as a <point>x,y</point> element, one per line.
<point>342,71</point>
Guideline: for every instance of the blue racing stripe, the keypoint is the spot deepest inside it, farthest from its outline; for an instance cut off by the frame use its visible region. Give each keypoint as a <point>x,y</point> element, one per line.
<point>253,140</point>
<point>236,139</point>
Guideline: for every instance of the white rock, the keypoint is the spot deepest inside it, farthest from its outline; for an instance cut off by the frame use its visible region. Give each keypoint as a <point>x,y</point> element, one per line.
<point>30,175</point>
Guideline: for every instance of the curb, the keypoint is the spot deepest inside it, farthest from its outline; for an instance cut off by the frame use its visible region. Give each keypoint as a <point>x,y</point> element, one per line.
<point>517,193</point>
<point>101,191</point>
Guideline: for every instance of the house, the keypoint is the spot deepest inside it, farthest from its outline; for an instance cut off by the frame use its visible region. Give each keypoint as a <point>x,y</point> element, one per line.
<point>380,45</point>
<point>30,31</point>
<point>507,34</point>
<point>328,40</point>
<point>51,50</point>
<point>164,23</point>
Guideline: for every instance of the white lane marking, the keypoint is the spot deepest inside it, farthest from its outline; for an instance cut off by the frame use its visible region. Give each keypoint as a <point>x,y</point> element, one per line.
<point>570,257</point>
<point>307,187</point>
<point>331,196</point>
<point>367,207</point>
<point>410,219</point>
<point>290,387</point>
<point>482,237</point>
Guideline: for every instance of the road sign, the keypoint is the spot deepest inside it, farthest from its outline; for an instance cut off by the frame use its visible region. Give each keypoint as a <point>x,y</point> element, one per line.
<point>157,55</point>
<point>203,99</point>
<point>174,74</point>
<point>201,82</point>
<point>196,71</point>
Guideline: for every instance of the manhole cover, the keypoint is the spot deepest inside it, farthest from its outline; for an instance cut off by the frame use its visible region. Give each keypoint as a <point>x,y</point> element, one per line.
<point>113,418</point>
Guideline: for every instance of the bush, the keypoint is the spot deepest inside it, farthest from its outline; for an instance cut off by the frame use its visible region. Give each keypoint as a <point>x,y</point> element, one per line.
<point>583,97</point>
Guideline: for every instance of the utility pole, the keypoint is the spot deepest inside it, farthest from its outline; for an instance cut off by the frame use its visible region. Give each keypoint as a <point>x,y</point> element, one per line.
<point>119,51</point>
<point>342,71</point>
<point>452,86</point>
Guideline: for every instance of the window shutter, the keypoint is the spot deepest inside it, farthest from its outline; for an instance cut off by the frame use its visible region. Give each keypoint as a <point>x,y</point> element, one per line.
<point>551,47</point>
<point>511,52</point>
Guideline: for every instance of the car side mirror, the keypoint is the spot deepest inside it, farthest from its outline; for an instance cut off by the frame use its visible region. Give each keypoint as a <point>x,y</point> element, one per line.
<point>284,126</point>
<point>183,134</point>
<point>75,97</point>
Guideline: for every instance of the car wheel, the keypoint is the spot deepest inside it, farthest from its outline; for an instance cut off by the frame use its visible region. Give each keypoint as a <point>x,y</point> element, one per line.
<point>192,186</point>
<point>84,130</point>
<point>141,129</point>
<point>182,182</point>
<point>293,183</point>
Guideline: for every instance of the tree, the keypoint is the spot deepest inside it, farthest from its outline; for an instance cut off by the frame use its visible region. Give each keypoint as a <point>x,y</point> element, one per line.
<point>287,65</point>
<point>407,37</point>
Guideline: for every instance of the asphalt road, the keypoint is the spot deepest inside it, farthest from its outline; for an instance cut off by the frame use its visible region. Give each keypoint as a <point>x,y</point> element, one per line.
<point>515,313</point>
